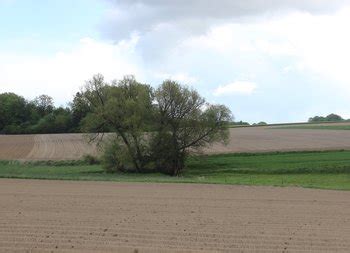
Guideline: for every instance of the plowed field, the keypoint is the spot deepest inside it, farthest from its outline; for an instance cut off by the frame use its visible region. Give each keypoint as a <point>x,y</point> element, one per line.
<point>249,139</point>
<point>16,146</point>
<point>45,147</point>
<point>63,216</point>
<point>266,139</point>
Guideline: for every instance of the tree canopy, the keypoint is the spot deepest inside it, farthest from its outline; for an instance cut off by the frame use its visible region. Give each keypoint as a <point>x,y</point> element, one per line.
<point>19,116</point>
<point>184,122</point>
<point>331,117</point>
<point>154,129</point>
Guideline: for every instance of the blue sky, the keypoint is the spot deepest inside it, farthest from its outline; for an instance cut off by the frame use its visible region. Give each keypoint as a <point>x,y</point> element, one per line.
<point>43,27</point>
<point>274,61</point>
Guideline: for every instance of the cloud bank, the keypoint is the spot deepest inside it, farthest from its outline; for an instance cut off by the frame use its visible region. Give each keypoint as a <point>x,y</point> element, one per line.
<point>194,17</point>
<point>297,52</point>
<point>235,88</point>
<point>61,74</point>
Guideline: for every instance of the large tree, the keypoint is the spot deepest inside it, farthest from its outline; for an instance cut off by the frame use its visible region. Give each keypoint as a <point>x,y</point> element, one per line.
<point>153,129</point>
<point>185,123</point>
<point>123,107</point>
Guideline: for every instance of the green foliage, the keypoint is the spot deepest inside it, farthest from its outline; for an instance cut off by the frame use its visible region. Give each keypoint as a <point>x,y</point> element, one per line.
<point>115,157</point>
<point>327,170</point>
<point>334,117</point>
<point>184,122</point>
<point>331,117</point>
<point>91,160</point>
<point>154,129</point>
<point>239,123</point>
<point>44,105</point>
<point>55,163</point>
<point>125,108</point>
<point>18,116</point>
<point>58,121</point>
<point>13,112</point>
<point>80,109</point>
<point>261,123</point>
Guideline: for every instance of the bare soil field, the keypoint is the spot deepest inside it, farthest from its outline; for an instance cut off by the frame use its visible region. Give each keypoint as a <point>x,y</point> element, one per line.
<point>13,147</point>
<point>60,147</point>
<point>67,216</point>
<point>245,139</point>
<point>268,139</point>
<point>45,147</point>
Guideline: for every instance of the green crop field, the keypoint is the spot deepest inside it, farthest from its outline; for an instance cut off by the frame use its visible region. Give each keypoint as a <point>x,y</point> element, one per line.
<point>326,170</point>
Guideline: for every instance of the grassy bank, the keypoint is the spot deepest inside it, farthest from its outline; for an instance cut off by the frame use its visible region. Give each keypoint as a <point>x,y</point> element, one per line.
<point>327,170</point>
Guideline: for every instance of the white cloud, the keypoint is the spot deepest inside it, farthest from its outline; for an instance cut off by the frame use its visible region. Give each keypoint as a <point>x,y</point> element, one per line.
<point>298,43</point>
<point>62,74</point>
<point>287,46</point>
<point>318,45</point>
<point>180,77</point>
<point>195,16</point>
<point>235,88</point>
<point>250,37</point>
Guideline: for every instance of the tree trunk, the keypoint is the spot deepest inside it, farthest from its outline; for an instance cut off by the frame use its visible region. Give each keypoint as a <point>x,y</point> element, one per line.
<point>134,159</point>
<point>178,164</point>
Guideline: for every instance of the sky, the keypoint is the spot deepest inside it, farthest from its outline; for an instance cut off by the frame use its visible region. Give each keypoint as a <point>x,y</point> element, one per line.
<point>267,60</point>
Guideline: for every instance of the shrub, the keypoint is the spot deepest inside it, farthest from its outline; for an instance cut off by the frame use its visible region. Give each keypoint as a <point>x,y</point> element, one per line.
<point>115,157</point>
<point>91,160</point>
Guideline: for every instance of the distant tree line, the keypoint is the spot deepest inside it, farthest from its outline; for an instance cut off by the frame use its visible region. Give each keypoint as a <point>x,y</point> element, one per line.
<point>331,117</point>
<point>243,123</point>
<point>20,116</point>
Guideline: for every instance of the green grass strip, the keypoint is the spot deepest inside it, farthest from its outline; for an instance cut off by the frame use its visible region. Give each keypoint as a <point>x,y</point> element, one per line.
<point>325,170</point>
